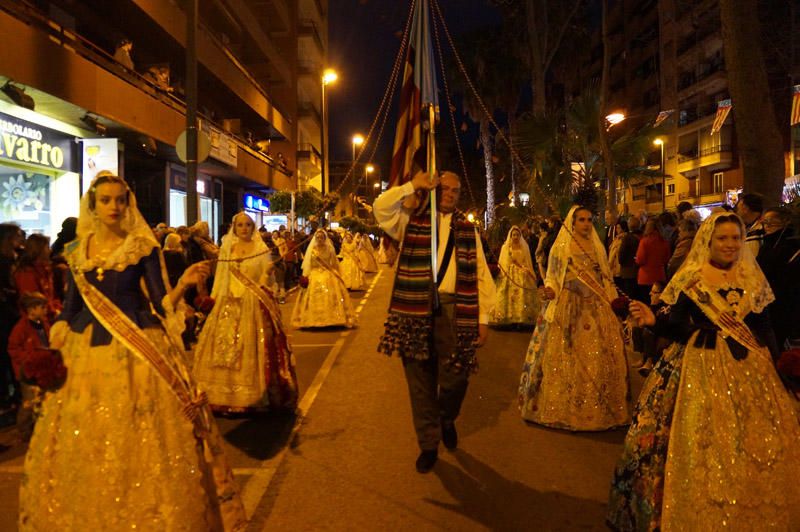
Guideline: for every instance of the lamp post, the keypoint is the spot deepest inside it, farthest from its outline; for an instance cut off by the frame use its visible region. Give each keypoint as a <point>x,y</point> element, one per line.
<point>328,77</point>
<point>660,144</point>
<point>358,140</point>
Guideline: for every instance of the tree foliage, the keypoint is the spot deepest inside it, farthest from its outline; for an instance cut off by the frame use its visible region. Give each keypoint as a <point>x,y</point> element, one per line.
<point>306,203</point>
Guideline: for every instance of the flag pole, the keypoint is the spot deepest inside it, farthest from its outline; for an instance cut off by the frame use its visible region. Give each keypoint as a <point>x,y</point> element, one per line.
<point>432,171</point>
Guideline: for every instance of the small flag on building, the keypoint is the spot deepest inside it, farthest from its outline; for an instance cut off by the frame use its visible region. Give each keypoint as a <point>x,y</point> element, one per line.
<point>663,115</point>
<point>723,108</point>
<point>795,106</point>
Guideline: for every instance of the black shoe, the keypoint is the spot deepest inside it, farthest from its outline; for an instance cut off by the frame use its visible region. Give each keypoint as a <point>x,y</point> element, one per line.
<point>449,436</point>
<point>426,460</point>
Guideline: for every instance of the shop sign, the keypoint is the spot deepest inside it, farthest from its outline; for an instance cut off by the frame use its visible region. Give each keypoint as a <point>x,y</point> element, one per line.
<point>98,155</point>
<point>25,142</point>
<point>223,147</point>
<point>254,203</point>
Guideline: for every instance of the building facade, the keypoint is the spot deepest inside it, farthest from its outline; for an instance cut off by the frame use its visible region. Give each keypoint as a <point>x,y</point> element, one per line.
<point>95,71</point>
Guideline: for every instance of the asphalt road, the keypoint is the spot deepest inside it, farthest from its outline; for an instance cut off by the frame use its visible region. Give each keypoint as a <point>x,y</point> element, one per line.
<point>346,460</point>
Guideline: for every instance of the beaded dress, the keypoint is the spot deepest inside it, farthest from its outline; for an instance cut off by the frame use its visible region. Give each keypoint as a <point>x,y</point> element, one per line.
<point>112,449</point>
<point>352,274</point>
<point>517,296</point>
<point>575,375</point>
<point>325,302</point>
<point>714,439</point>
<point>242,359</point>
<point>366,253</point>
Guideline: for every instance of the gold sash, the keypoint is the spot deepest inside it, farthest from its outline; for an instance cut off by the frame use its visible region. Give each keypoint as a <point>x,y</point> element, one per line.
<point>266,299</point>
<point>590,282</point>
<point>722,315</point>
<point>178,379</point>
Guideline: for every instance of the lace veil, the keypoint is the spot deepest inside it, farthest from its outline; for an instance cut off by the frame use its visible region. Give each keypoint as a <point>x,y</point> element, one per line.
<point>222,275</point>
<point>325,250</point>
<point>560,254</point>
<point>748,273</point>
<point>505,251</point>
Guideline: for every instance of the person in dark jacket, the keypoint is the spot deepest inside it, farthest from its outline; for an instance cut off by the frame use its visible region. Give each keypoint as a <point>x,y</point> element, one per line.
<point>775,258</point>
<point>626,256</point>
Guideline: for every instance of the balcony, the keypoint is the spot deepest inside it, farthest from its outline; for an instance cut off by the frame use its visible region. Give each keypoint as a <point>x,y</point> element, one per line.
<point>308,154</point>
<point>712,159</point>
<point>709,77</point>
<point>308,28</point>
<point>690,114</point>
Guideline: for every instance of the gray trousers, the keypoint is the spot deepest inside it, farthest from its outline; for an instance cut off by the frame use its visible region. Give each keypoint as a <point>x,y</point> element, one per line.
<point>435,390</point>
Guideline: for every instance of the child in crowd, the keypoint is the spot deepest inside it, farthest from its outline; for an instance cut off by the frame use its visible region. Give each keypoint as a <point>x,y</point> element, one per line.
<point>28,335</point>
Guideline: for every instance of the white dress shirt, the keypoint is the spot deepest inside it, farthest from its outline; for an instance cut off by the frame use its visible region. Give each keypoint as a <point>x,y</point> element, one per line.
<point>393,219</point>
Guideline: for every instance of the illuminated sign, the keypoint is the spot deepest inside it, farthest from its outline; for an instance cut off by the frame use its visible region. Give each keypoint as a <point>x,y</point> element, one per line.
<point>254,203</point>
<point>25,142</point>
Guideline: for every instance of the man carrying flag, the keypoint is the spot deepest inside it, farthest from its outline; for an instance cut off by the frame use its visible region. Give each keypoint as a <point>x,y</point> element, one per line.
<point>437,317</point>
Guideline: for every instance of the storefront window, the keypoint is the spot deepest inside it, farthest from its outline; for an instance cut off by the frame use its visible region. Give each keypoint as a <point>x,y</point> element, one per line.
<point>25,200</point>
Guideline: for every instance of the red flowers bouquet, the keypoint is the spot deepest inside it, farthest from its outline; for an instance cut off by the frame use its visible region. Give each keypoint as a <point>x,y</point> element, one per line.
<point>620,306</point>
<point>789,363</point>
<point>303,281</point>
<point>44,368</point>
<point>204,304</point>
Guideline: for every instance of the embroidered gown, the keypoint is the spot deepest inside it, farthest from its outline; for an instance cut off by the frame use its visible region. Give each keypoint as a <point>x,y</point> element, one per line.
<point>325,302</point>
<point>575,375</point>
<point>242,359</point>
<point>714,438</point>
<point>367,256</point>
<point>517,296</point>
<point>112,449</point>
<point>352,274</point>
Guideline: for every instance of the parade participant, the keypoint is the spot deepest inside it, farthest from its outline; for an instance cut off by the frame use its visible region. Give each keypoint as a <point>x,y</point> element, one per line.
<point>324,302</point>
<point>435,330</point>
<point>127,441</point>
<point>350,266</point>
<point>366,253</point>
<point>575,375</point>
<point>713,443</point>
<point>243,360</point>
<point>517,296</point>
<point>387,251</point>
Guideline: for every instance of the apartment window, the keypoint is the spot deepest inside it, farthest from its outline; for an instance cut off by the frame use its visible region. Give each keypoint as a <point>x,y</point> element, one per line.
<point>670,189</point>
<point>718,182</point>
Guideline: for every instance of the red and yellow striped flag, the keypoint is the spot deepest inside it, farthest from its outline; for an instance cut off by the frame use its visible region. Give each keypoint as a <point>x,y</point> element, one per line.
<point>418,90</point>
<point>795,119</point>
<point>723,108</point>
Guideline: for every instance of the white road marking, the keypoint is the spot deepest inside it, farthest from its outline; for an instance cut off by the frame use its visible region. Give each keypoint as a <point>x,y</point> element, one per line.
<point>256,486</point>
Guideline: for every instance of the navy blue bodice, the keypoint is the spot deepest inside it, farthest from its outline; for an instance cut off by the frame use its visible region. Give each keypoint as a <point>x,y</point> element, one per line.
<point>124,290</point>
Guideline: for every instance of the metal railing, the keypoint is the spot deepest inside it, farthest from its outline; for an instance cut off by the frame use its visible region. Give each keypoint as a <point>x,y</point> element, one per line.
<point>682,158</point>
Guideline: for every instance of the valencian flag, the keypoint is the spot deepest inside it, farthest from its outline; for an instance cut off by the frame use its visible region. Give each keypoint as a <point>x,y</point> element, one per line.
<point>723,108</point>
<point>795,106</point>
<point>418,92</point>
<point>663,115</point>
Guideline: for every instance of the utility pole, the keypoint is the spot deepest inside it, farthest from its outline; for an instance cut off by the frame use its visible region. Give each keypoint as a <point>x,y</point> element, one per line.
<point>191,112</point>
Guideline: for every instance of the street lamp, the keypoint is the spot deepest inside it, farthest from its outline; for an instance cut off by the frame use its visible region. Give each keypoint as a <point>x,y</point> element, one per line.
<point>328,77</point>
<point>614,118</point>
<point>358,140</point>
<point>660,143</point>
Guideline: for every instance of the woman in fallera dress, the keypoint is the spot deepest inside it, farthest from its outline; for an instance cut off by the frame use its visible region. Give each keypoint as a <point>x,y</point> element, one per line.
<point>243,360</point>
<point>127,442</point>
<point>366,253</point>
<point>575,375</point>
<point>517,296</point>
<point>714,440</point>
<point>352,274</point>
<point>324,302</point>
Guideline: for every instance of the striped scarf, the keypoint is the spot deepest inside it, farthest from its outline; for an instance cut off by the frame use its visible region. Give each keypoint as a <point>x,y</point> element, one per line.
<point>410,321</point>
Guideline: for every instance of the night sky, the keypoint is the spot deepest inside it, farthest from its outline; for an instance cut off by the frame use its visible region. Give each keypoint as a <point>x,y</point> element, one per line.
<point>364,37</point>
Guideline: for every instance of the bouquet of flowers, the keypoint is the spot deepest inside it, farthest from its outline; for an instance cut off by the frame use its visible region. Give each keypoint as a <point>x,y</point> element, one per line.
<point>44,368</point>
<point>620,306</point>
<point>303,281</point>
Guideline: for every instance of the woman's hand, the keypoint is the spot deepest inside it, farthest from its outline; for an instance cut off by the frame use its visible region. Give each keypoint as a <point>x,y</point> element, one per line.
<point>641,314</point>
<point>549,293</point>
<point>195,274</point>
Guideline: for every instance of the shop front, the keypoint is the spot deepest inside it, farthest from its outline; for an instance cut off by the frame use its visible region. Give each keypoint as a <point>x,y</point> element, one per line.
<point>258,209</point>
<point>39,179</point>
<point>209,194</point>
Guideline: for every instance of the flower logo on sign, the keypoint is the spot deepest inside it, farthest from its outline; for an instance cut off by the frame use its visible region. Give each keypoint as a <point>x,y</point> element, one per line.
<point>16,193</point>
